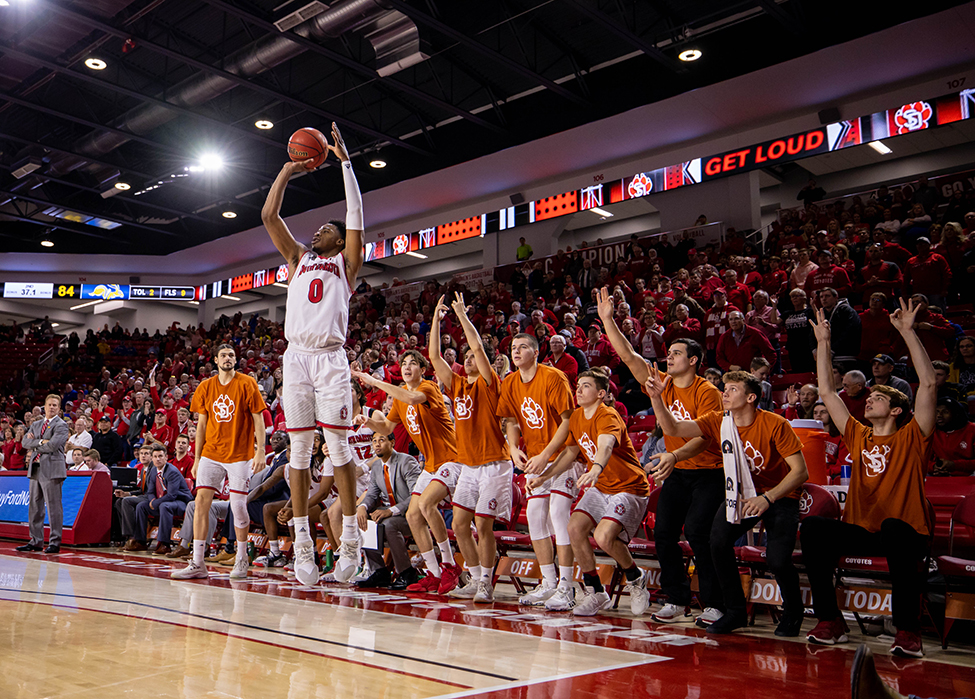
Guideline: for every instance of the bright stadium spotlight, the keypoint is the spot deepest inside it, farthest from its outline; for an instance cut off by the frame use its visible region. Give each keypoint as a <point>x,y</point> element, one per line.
<point>229,214</point>
<point>96,64</point>
<point>211,161</point>
<point>377,164</point>
<point>47,243</point>
<point>689,55</point>
<point>264,124</point>
<point>123,186</point>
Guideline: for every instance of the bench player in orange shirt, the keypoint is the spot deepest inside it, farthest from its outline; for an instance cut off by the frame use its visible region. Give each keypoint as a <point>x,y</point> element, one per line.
<point>536,401</point>
<point>229,444</point>
<point>616,502</point>
<point>484,488</point>
<point>419,406</point>
<point>690,470</point>
<point>886,511</point>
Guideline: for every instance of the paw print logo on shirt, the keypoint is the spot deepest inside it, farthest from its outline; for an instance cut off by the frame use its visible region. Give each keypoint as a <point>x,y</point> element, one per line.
<point>875,460</point>
<point>412,424</point>
<point>755,460</point>
<point>533,413</point>
<point>587,445</point>
<point>679,411</point>
<point>464,408</point>
<point>223,408</point>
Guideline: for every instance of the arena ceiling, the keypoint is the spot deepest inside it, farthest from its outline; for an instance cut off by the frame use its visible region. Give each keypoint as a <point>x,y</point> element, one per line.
<point>419,84</point>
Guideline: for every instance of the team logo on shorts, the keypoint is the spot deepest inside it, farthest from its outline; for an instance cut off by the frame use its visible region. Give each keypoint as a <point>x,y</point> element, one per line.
<point>445,473</point>
<point>343,413</point>
<point>223,409</point>
<point>533,413</point>
<point>620,509</point>
<point>492,504</point>
<point>570,482</point>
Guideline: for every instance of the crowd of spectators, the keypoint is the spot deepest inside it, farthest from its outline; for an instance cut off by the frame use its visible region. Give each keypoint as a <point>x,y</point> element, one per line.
<point>744,300</point>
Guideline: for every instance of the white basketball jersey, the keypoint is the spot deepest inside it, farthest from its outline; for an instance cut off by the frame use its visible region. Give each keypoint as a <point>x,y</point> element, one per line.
<point>317,315</point>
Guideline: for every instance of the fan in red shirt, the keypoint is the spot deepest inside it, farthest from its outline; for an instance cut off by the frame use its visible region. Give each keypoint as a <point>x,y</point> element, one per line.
<point>892,252</point>
<point>878,335</point>
<point>716,323</point>
<point>827,275</point>
<point>953,447</point>
<point>560,360</point>
<point>598,351</point>
<point>879,275</point>
<point>932,329</point>
<point>741,343</point>
<point>103,409</point>
<point>162,433</point>
<point>775,281</point>
<point>183,459</point>
<point>927,273</point>
<point>123,416</point>
<point>739,295</point>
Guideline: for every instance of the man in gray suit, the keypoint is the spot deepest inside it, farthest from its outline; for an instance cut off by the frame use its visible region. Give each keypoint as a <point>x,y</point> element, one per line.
<point>397,472</point>
<point>47,470</point>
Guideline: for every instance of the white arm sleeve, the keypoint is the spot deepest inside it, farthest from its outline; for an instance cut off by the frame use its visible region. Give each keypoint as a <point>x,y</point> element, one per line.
<point>353,199</point>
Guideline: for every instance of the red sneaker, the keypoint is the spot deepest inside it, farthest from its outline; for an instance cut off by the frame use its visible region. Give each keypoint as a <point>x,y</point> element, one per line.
<point>427,584</point>
<point>828,633</point>
<point>907,645</point>
<point>449,577</point>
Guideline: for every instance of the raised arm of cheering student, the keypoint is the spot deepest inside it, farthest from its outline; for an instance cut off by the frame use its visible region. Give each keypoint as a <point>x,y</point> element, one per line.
<point>634,362</point>
<point>484,368</point>
<point>443,371</point>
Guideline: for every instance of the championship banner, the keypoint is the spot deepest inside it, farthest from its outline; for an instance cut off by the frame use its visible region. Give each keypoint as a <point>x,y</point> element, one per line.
<point>403,292</point>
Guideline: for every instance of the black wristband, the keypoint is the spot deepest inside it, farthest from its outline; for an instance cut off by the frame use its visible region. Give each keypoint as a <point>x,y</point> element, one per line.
<point>766,499</point>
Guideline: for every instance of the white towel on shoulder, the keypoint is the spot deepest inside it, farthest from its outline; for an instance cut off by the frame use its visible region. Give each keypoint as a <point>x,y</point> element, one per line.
<point>738,483</point>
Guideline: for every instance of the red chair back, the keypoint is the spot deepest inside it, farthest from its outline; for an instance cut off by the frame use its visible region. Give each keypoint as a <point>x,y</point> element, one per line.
<point>815,500</point>
<point>964,514</point>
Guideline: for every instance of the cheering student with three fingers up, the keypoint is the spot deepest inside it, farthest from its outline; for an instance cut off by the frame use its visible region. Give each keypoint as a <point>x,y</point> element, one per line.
<point>886,512</point>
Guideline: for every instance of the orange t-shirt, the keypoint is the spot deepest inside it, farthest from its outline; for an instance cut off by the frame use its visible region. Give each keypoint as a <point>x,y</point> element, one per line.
<point>537,405</point>
<point>229,409</point>
<point>428,425</point>
<point>700,398</point>
<point>479,438</point>
<point>887,478</point>
<point>622,473</point>
<point>767,441</point>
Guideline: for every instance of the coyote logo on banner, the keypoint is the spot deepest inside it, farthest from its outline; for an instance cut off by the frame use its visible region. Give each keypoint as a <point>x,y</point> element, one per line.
<point>463,408</point>
<point>223,409</point>
<point>640,186</point>
<point>412,424</point>
<point>401,244</point>
<point>587,446</point>
<point>533,413</point>
<point>913,117</point>
<point>875,460</point>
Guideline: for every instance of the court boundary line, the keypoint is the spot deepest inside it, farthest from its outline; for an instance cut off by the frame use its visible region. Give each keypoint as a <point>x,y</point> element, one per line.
<point>245,638</point>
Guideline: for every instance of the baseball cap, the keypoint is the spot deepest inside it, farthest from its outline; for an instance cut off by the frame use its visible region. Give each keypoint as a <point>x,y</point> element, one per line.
<point>924,239</point>
<point>678,286</point>
<point>105,418</point>
<point>883,359</point>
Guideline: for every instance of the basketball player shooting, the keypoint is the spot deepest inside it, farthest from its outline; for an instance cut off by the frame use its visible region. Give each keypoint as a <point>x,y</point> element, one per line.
<point>316,370</point>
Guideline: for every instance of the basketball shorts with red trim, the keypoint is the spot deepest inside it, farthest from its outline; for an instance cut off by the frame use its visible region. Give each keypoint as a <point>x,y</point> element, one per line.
<point>566,483</point>
<point>626,509</point>
<point>212,473</point>
<point>448,474</point>
<point>485,490</point>
<point>317,389</point>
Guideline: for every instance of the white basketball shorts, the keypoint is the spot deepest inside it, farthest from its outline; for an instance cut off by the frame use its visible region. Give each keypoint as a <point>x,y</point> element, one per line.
<point>626,509</point>
<point>317,390</point>
<point>485,490</point>
<point>212,473</point>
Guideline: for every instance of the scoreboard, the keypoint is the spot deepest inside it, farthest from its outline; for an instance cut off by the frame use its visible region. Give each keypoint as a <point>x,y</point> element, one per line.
<point>104,292</point>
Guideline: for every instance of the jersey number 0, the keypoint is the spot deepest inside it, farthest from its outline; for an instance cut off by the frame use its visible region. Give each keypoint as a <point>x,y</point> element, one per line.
<point>316,290</point>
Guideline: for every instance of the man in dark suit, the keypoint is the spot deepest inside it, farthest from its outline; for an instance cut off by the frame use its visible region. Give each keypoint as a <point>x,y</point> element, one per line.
<point>47,470</point>
<point>163,484</point>
<point>385,502</point>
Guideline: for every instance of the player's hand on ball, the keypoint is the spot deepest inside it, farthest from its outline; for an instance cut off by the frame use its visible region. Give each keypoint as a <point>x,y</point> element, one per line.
<point>294,167</point>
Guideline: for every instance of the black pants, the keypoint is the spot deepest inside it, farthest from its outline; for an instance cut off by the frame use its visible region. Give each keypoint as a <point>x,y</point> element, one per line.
<point>825,540</point>
<point>781,522</point>
<point>688,501</point>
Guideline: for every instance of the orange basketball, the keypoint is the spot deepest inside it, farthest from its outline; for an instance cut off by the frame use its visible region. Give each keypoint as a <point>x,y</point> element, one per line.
<point>308,143</point>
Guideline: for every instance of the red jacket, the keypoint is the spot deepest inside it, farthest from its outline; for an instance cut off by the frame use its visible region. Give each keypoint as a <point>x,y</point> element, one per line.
<point>890,280</point>
<point>753,343</point>
<point>934,338</point>
<point>739,295</point>
<point>878,336</point>
<point>567,365</point>
<point>716,324</point>
<point>927,274</point>
<point>823,277</point>
<point>601,353</point>
<point>957,447</point>
<point>857,405</point>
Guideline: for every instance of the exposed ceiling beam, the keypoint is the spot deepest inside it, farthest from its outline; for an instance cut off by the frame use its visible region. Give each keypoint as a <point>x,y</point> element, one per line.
<point>781,16</point>
<point>489,53</point>
<point>608,23</point>
<point>355,66</point>
<point>236,79</point>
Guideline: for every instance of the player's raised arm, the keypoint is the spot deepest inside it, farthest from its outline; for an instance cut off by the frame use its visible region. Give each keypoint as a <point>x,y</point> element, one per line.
<point>281,236</point>
<point>838,412</point>
<point>484,367</point>
<point>634,362</point>
<point>440,367</point>
<point>926,398</point>
<point>353,208</point>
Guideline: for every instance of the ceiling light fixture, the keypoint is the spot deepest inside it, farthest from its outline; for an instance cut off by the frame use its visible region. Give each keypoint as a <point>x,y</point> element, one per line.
<point>210,161</point>
<point>193,303</point>
<point>689,55</point>
<point>55,325</point>
<point>880,147</point>
<point>283,286</point>
<point>85,305</point>
<point>601,212</point>
<point>229,214</point>
<point>96,64</point>
<point>228,296</point>
<point>377,164</point>
<point>47,243</point>
<point>123,186</point>
<point>416,254</point>
<point>264,124</point>
<point>4,3</point>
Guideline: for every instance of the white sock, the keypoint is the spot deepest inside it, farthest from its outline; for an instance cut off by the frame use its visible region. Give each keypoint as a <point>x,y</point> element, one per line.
<point>275,547</point>
<point>549,574</point>
<point>475,572</point>
<point>430,558</point>
<point>350,528</point>
<point>565,576</point>
<point>199,548</point>
<point>302,530</point>
<point>487,574</point>
<point>446,553</point>
<point>241,550</point>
